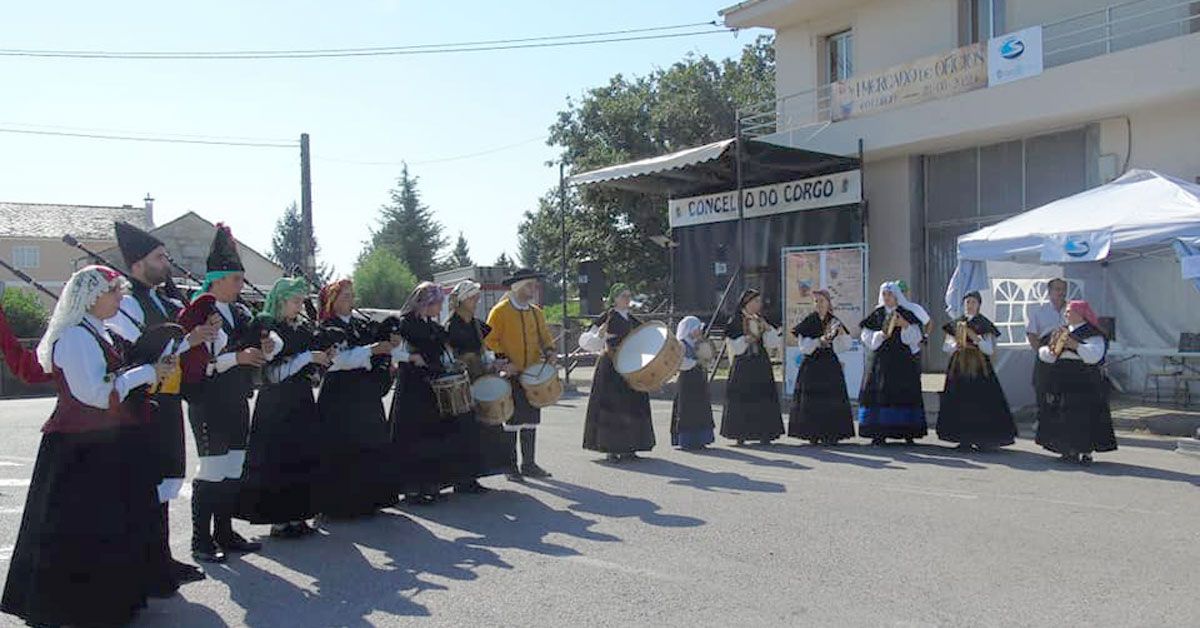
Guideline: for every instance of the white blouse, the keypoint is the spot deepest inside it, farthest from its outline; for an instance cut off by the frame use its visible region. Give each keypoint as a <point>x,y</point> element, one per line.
<point>85,369</point>
<point>987,344</point>
<point>1091,351</point>
<point>910,336</point>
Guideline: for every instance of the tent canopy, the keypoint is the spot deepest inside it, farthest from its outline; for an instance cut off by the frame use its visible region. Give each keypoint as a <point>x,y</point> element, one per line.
<point>1140,212</point>
<point>713,168</point>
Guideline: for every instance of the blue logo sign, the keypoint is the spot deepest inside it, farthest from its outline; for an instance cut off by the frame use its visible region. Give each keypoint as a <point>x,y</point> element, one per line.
<point>1012,48</point>
<point>1076,247</point>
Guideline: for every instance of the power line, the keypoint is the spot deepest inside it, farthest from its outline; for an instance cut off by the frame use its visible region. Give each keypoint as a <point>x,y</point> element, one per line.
<point>162,140</point>
<point>423,162</point>
<point>427,49</point>
<point>106,131</point>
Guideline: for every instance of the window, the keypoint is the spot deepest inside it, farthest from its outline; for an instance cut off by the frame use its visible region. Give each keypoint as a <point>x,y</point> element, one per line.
<point>839,53</point>
<point>26,256</point>
<point>1013,297</point>
<point>979,20</point>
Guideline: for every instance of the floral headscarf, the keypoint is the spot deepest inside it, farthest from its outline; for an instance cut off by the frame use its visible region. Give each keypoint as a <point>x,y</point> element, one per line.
<point>78,296</point>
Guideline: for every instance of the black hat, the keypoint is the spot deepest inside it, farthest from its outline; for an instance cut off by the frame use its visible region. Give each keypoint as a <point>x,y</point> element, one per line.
<point>521,274</point>
<point>223,254</point>
<point>135,244</point>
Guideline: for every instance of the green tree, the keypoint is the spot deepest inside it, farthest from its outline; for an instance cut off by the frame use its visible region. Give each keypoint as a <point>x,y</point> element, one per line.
<point>461,256</point>
<point>527,243</point>
<point>408,229</point>
<point>382,280</point>
<point>688,104</point>
<point>26,314</point>
<point>505,262</point>
<point>286,247</point>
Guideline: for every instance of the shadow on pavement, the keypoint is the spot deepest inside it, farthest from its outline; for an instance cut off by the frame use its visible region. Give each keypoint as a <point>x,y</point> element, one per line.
<point>705,480</point>
<point>592,501</point>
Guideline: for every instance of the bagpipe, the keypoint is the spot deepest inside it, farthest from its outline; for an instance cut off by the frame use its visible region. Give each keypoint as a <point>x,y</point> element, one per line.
<point>377,331</point>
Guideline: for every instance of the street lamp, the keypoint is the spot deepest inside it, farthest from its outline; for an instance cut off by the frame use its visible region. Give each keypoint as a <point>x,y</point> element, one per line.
<point>667,243</point>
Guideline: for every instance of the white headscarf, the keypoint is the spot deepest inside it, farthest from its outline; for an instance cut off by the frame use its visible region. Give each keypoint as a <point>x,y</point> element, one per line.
<point>684,330</point>
<point>902,301</point>
<point>78,296</point>
<point>464,290</point>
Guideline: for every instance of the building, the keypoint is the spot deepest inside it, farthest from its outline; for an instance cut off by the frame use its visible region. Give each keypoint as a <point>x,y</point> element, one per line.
<point>188,239</point>
<point>950,145</point>
<point>31,236</point>
<point>488,277</point>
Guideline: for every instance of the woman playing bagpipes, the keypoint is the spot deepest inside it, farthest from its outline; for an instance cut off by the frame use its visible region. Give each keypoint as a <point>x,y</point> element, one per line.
<point>973,410</point>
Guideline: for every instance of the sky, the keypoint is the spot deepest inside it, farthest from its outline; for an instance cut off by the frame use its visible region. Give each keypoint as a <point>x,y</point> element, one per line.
<point>427,110</point>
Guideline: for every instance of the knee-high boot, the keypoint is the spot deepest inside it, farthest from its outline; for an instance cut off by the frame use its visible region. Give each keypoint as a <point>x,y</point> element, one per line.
<point>204,549</point>
<point>529,465</point>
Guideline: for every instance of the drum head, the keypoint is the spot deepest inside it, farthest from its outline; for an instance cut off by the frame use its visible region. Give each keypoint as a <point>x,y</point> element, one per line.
<point>640,347</point>
<point>491,388</point>
<point>538,373</point>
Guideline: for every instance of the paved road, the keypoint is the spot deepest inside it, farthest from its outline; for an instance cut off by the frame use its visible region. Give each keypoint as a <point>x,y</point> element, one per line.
<point>783,535</point>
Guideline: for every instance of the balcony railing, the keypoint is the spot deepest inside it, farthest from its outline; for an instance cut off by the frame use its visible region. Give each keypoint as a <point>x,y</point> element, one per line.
<point>1084,36</point>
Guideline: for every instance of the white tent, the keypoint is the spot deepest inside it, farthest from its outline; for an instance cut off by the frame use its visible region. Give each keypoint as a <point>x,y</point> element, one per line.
<point>1130,247</point>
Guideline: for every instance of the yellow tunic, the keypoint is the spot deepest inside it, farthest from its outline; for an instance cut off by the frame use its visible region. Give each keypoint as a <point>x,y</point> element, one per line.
<point>519,335</point>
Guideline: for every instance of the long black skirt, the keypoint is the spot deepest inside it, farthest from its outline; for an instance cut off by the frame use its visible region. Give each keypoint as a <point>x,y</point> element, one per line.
<point>355,444</point>
<point>973,408</point>
<point>820,406</point>
<point>890,402</point>
<point>494,448</point>
<point>618,417</point>
<point>691,414</point>
<point>1077,418</point>
<point>430,451</point>
<point>751,409</point>
<point>88,549</point>
<point>283,458</point>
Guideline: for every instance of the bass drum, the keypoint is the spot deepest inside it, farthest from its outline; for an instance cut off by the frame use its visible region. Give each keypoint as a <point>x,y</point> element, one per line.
<point>649,357</point>
<point>493,400</point>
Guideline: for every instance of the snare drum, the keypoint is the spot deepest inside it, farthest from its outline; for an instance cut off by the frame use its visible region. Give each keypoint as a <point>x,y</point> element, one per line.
<point>649,357</point>
<point>493,399</point>
<point>453,393</point>
<point>541,384</point>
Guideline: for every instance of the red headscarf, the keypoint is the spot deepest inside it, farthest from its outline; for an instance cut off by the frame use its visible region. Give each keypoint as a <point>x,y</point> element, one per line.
<point>329,294</point>
<point>1083,309</point>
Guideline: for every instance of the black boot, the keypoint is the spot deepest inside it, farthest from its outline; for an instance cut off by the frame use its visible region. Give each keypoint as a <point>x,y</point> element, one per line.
<point>204,549</point>
<point>182,573</point>
<point>529,467</point>
<point>223,533</point>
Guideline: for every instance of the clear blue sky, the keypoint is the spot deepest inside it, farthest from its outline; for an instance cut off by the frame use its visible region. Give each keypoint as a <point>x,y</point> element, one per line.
<point>414,108</point>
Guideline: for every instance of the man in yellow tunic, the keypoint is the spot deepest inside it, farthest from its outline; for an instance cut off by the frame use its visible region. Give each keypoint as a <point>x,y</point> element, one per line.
<point>520,339</point>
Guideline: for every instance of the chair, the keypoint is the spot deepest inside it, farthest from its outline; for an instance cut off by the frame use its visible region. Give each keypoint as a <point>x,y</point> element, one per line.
<point>1170,370</point>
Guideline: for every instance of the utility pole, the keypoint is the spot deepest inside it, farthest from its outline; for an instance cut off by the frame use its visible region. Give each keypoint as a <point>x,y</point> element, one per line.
<point>306,218</point>
<point>562,207</point>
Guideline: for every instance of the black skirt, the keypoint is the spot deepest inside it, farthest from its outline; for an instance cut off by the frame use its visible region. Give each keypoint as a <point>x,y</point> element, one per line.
<point>430,451</point>
<point>88,547</point>
<point>820,406</point>
<point>355,443</point>
<point>167,418</point>
<point>890,402</point>
<point>283,459</point>
<point>973,409</point>
<point>618,417</point>
<point>751,409</point>
<point>691,414</point>
<point>1077,418</point>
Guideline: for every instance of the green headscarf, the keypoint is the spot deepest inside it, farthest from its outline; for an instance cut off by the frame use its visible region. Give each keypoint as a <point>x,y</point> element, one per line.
<point>615,291</point>
<point>210,277</point>
<point>284,289</point>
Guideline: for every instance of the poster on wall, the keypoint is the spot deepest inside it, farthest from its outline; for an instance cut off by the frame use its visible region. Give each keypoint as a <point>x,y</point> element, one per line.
<point>840,269</point>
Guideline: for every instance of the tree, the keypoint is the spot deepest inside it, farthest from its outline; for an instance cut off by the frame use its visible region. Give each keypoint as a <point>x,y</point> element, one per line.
<point>382,280</point>
<point>26,315</point>
<point>691,103</point>
<point>408,229</point>
<point>506,263</point>
<point>461,256</point>
<point>286,244</point>
<point>527,243</point>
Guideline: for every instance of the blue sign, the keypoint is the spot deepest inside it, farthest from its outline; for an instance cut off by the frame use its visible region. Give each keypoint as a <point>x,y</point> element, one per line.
<point>1012,48</point>
<point>1077,247</point>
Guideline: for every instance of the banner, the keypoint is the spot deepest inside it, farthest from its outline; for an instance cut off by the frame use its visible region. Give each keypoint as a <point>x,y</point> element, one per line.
<point>842,270</point>
<point>929,78</point>
<point>1076,247</point>
<point>1015,56</point>
<point>841,188</point>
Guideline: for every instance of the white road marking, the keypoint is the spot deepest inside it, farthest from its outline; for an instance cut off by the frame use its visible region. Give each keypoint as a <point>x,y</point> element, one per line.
<point>10,511</point>
<point>6,552</point>
<point>5,463</point>
<point>14,483</point>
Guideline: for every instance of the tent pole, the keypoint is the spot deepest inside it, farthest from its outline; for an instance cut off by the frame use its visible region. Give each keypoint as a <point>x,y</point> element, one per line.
<point>741,228</point>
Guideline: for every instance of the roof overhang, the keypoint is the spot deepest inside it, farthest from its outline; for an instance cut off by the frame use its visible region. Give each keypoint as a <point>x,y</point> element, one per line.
<point>777,13</point>
<point>713,168</point>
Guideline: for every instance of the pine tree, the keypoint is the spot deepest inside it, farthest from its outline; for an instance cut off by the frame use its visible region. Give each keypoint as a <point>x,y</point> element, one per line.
<point>286,249</point>
<point>528,247</point>
<point>506,263</point>
<point>408,229</point>
<point>462,254</point>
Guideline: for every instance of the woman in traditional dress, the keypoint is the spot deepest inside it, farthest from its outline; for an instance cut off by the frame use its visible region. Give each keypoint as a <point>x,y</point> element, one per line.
<point>618,417</point>
<point>86,553</point>
<point>429,446</point>
<point>973,411</point>
<point>820,406</point>
<point>490,446</point>
<point>691,414</point>
<point>283,457</point>
<point>890,404</point>
<point>1077,421</point>
<point>355,435</point>
<point>751,411</point>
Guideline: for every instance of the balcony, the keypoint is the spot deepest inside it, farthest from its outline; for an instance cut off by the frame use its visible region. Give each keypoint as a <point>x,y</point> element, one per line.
<point>1120,27</point>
